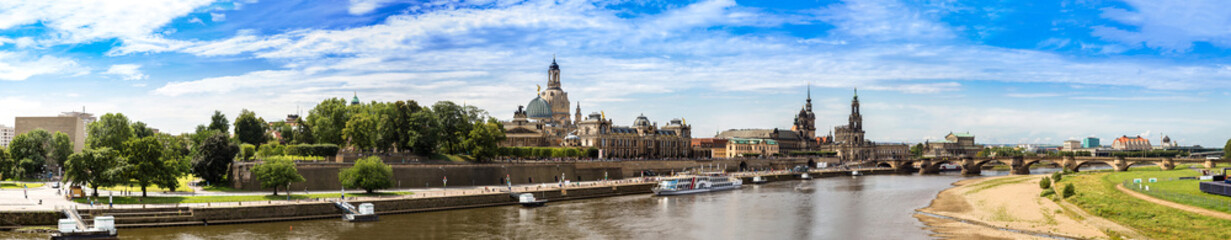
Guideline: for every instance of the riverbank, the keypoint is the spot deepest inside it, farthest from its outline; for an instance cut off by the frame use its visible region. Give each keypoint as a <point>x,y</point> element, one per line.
<point>1009,207</point>
<point>1099,194</point>
<point>162,215</point>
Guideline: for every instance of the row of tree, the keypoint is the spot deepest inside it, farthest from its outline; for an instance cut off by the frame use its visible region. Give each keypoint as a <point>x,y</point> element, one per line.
<point>29,152</point>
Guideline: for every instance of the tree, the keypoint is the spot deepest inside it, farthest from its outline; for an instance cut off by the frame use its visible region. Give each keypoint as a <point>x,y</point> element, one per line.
<point>95,167</point>
<point>250,129</point>
<point>29,151</point>
<point>917,150</point>
<point>140,130</point>
<point>423,135</point>
<point>110,131</point>
<point>219,123</point>
<point>484,140</point>
<point>328,119</point>
<point>1056,176</point>
<point>455,124</point>
<point>144,163</point>
<point>61,147</point>
<point>369,173</point>
<point>361,131</point>
<point>1069,190</point>
<point>246,151</point>
<point>1045,183</point>
<point>6,162</point>
<point>1226,150</point>
<point>303,134</point>
<point>175,154</point>
<point>276,173</point>
<point>214,157</point>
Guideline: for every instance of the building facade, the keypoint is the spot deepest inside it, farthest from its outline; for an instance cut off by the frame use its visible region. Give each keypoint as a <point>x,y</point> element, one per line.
<point>711,147</point>
<point>641,140</point>
<point>522,132</point>
<point>801,136</point>
<point>954,145</point>
<point>1070,145</point>
<point>1090,142</point>
<point>1131,143</point>
<point>6,135</point>
<point>740,147</point>
<point>74,126</point>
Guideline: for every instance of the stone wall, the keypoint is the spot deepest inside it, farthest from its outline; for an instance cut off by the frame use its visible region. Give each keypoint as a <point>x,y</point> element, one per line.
<point>324,176</point>
<point>10,220</point>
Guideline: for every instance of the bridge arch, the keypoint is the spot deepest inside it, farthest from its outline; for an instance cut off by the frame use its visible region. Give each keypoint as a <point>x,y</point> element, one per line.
<point>743,166</point>
<point>1090,163</point>
<point>884,165</point>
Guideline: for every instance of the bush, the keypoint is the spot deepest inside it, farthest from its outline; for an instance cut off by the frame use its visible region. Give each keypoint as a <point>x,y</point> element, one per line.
<point>369,173</point>
<point>246,151</point>
<point>1069,190</point>
<point>1056,176</point>
<point>270,149</point>
<point>1045,183</point>
<point>1047,193</point>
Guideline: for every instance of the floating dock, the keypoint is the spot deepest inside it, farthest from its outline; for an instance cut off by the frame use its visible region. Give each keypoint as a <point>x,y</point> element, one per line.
<point>366,212</point>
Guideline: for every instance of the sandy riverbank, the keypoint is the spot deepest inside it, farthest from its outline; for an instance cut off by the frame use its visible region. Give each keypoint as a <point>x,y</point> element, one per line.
<point>982,208</point>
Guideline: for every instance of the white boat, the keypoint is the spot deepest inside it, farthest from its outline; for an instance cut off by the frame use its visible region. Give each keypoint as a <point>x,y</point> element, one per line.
<point>528,200</point>
<point>856,173</point>
<point>759,180</point>
<point>805,176</point>
<point>696,184</point>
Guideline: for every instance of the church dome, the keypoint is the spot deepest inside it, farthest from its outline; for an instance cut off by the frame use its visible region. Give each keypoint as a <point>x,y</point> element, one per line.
<point>641,121</point>
<point>538,108</point>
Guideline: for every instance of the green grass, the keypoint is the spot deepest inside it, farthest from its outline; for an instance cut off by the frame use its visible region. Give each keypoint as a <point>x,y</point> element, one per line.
<point>452,158</point>
<point>219,188</point>
<point>18,185</point>
<point>244,198</point>
<point>1097,194</point>
<point>1185,192</point>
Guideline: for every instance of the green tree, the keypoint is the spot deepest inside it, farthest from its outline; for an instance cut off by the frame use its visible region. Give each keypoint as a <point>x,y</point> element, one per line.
<point>250,129</point>
<point>6,163</point>
<point>61,147</point>
<point>30,151</point>
<point>1226,150</point>
<point>369,173</point>
<point>484,140</point>
<point>1045,183</point>
<point>328,119</point>
<point>361,131</point>
<point>110,131</point>
<point>246,151</point>
<point>423,136</point>
<point>175,154</point>
<point>917,150</point>
<point>455,124</point>
<point>276,173</point>
<point>303,134</point>
<point>1069,190</point>
<point>94,167</point>
<point>219,123</point>
<point>140,130</point>
<point>143,158</point>
<point>214,157</point>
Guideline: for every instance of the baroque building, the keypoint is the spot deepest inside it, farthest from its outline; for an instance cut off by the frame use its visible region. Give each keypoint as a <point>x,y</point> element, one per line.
<point>849,143</point>
<point>546,122</point>
<point>801,136</point>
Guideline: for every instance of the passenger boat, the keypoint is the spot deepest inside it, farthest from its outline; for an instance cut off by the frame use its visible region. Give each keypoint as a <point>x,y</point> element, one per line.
<point>805,176</point>
<point>696,184</point>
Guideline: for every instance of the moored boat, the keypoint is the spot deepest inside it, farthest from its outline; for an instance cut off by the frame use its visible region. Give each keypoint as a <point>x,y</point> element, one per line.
<point>759,180</point>
<point>696,184</point>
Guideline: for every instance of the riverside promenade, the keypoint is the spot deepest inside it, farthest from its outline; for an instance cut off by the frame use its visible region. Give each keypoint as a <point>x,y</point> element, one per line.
<point>19,213</point>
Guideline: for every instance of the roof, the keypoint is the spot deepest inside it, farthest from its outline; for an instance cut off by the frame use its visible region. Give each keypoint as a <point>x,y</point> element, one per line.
<point>753,141</point>
<point>962,134</point>
<point>759,133</point>
<point>538,108</point>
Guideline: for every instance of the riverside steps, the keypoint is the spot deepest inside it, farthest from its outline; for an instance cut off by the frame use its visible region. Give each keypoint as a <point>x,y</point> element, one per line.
<point>166,215</point>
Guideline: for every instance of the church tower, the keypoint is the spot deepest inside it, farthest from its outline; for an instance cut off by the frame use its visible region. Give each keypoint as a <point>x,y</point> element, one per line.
<point>805,121</point>
<point>556,98</point>
<point>577,118</point>
<point>553,75</point>
<point>856,119</point>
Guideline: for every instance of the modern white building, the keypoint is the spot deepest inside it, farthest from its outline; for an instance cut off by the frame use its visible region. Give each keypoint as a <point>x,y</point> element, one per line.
<point>6,135</point>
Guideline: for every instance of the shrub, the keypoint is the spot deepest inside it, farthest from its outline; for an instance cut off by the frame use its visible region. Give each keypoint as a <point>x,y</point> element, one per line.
<point>1056,176</point>
<point>1045,183</point>
<point>1047,193</point>
<point>369,173</point>
<point>246,151</point>
<point>1069,190</point>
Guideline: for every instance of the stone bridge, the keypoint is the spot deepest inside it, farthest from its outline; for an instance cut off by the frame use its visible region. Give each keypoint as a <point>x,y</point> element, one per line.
<point>1021,165</point>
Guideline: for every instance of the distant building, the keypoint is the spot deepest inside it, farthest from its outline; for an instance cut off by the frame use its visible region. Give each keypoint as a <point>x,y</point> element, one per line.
<point>74,126</point>
<point>954,145</point>
<point>712,147</point>
<point>849,143</point>
<point>522,132</point>
<point>641,140</point>
<point>355,99</point>
<point>1131,143</point>
<point>1090,142</point>
<point>738,147</point>
<point>1167,143</point>
<point>787,140</point>
<point>1071,145</point>
<point>6,135</point>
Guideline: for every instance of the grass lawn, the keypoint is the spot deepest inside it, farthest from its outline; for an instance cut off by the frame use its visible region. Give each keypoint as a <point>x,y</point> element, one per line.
<point>451,157</point>
<point>18,185</point>
<point>152,188</point>
<point>1097,194</point>
<point>244,198</point>
<point>1185,192</point>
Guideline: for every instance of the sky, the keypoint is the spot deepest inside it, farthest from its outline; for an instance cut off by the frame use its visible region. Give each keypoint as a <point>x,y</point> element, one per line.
<point>1006,71</point>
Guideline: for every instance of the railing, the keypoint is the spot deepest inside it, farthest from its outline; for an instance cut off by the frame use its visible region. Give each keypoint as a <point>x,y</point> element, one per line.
<point>1188,199</point>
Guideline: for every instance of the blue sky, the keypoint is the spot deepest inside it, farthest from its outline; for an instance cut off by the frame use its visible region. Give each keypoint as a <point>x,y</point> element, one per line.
<point>1007,71</point>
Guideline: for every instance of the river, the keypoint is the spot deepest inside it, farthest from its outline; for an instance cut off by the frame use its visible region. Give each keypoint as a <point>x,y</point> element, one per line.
<point>866,207</point>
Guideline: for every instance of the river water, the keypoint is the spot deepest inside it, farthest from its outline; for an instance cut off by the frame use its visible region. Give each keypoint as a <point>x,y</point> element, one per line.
<point>866,207</point>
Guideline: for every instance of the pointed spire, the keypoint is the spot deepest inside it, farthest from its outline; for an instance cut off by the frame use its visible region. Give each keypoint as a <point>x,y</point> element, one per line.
<point>809,91</point>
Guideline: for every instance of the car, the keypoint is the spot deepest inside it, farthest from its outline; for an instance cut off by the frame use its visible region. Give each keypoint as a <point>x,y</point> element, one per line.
<point>55,184</point>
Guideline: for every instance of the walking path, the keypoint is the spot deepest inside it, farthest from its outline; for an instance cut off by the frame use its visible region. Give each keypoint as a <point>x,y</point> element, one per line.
<point>1192,209</point>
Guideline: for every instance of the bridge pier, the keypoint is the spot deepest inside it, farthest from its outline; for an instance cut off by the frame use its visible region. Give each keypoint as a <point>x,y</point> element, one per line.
<point>1120,165</point>
<point>902,166</point>
<point>1018,166</point>
<point>970,166</point>
<point>1069,163</point>
<point>1166,164</point>
<point>926,167</point>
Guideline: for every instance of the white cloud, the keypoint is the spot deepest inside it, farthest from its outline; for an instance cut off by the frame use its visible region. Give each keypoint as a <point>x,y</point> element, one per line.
<point>360,7</point>
<point>127,71</point>
<point>217,17</point>
<point>1032,95</point>
<point>75,21</point>
<point>1170,25</point>
<point>17,67</point>
<point>884,20</point>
